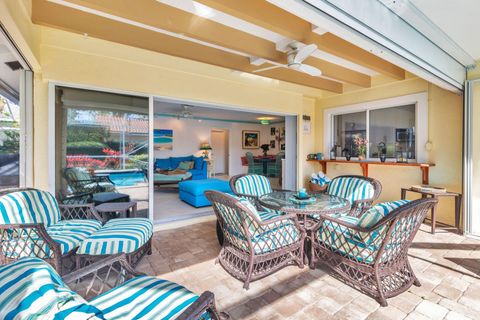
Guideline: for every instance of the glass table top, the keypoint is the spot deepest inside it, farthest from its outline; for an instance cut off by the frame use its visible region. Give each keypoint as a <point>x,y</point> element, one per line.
<point>321,203</point>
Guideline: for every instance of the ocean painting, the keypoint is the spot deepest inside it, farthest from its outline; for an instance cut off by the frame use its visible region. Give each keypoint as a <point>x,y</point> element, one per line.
<point>163,139</point>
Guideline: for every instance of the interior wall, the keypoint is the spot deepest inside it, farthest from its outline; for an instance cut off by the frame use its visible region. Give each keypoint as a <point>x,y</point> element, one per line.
<point>445,131</point>
<point>189,134</point>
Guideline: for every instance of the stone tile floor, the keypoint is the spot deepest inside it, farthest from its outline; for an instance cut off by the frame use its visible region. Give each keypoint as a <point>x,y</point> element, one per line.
<point>447,264</point>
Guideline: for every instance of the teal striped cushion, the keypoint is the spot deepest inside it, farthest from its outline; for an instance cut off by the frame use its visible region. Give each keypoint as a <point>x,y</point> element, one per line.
<point>68,233</point>
<point>145,298</point>
<point>118,236</point>
<point>32,206</point>
<point>351,188</point>
<point>253,185</point>
<point>31,289</point>
<point>377,212</point>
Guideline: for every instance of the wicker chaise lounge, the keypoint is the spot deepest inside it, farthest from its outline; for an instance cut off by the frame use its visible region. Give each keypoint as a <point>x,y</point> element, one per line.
<point>256,243</point>
<point>108,289</point>
<point>370,252</point>
<point>359,190</point>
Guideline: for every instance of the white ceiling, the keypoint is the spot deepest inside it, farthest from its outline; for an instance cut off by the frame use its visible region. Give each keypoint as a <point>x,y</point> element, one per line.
<point>173,109</point>
<point>458,19</point>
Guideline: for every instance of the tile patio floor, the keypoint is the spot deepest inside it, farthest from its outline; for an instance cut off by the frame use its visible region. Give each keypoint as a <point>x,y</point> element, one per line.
<point>447,264</point>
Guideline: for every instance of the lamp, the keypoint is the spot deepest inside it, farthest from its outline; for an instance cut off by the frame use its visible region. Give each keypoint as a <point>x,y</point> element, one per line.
<point>205,147</point>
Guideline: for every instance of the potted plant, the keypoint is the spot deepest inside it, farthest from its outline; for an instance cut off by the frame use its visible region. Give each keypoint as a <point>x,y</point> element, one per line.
<point>265,148</point>
<point>362,147</point>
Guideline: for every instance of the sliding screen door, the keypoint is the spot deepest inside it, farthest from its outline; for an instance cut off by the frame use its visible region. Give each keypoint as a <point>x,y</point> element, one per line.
<point>101,144</point>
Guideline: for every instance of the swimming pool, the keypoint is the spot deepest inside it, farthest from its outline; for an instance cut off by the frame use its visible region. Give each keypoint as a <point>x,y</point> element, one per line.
<point>127,179</point>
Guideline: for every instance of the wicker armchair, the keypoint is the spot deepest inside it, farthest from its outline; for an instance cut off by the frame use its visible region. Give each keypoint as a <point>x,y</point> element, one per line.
<point>256,243</point>
<point>80,181</point>
<point>359,190</point>
<point>372,259</point>
<point>32,224</point>
<point>251,187</point>
<point>107,289</point>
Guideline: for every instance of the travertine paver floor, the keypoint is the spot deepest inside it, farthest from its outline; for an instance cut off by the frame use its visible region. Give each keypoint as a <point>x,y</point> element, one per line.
<point>447,264</point>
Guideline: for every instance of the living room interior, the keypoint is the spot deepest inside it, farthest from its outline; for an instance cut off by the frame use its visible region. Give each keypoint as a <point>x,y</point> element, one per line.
<point>219,143</point>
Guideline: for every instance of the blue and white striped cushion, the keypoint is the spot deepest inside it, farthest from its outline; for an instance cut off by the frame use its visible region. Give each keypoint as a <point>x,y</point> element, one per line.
<point>377,212</point>
<point>31,289</point>
<point>118,236</point>
<point>253,185</point>
<point>32,206</point>
<point>351,189</point>
<point>145,298</point>
<point>68,233</point>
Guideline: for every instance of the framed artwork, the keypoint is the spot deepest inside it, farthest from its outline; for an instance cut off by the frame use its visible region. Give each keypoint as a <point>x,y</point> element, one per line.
<point>272,131</point>
<point>282,147</point>
<point>272,144</point>
<point>250,139</point>
<point>163,139</point>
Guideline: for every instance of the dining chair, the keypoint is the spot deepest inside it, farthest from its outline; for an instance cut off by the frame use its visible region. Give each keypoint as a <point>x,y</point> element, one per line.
<point>359,190</point>
<point>253,166</point>
<point>251,187</point>
<point>256,244</point>
<point>274,168</point>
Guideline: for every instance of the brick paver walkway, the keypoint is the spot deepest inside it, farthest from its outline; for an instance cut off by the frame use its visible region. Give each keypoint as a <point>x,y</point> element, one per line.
<point>447,264</point>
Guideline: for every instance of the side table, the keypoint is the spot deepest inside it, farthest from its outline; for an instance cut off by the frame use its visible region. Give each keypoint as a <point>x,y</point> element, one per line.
<point>436,195</point>
<point>115,209</point>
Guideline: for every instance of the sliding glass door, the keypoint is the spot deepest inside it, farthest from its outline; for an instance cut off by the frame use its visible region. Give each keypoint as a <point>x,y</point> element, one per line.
<point>102,144</point>
<point>472,157</point>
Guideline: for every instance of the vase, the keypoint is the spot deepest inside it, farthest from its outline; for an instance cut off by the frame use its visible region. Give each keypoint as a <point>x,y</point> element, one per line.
<point>361,157</point>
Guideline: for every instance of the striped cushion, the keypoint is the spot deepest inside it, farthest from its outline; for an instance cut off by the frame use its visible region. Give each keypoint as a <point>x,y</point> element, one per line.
<point>253,185</point>
<point>351,188</point>
<point>32,206</point>
<point>118,236</point>
<point>377,212</point>
<point>31,289</point>
<point>145,298</point>
<point>68,233</point>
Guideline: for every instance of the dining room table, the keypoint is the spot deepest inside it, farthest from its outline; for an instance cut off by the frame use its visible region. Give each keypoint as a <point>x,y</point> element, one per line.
<point>308,211</point>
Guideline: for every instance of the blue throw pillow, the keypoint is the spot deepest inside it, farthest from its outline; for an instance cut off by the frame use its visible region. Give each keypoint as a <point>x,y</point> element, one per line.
<point>175,161</point>
<point>163,164</point>
<point>198,163</point>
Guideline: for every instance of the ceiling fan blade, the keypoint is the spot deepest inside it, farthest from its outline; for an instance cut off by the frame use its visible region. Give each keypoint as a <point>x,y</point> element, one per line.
<point>314,72</point>
<point>266,69</point>
<point>304,53</point>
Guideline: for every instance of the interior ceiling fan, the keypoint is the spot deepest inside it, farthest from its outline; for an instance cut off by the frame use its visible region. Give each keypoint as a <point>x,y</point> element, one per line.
<point>185,113</point>
<point>296,56</point>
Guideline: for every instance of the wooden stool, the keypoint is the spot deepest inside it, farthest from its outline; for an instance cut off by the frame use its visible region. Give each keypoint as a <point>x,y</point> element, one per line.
<point>436,195</point>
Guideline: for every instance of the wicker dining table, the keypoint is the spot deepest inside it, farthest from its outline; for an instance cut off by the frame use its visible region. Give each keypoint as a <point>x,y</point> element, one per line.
<point>307,212</point>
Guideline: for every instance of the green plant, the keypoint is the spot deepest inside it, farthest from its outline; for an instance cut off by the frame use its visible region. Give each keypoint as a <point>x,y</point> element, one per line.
<point>12,142</point>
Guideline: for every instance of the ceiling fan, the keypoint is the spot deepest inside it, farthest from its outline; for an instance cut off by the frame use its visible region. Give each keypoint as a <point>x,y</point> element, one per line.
<point>185,113</point>
<point>296,56</point>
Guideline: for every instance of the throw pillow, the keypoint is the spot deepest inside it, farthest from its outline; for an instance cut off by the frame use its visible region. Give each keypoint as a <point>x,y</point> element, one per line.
<point>377,212</point>
<point>185,165</point>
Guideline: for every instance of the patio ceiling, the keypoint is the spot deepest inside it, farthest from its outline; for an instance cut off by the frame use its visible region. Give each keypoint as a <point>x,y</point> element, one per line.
<point>230,34</point>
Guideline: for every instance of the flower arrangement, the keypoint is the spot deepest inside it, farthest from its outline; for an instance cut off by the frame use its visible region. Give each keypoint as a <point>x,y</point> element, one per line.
<point>361,144</point>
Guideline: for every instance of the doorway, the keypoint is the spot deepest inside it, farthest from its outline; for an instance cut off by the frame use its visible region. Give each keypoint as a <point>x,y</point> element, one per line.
<point>220,151</point>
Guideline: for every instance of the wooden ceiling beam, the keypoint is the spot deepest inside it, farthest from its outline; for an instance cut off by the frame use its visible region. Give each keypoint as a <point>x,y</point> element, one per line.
<point>68,19</point>
<point>165,17</point>
<point>271,17</point>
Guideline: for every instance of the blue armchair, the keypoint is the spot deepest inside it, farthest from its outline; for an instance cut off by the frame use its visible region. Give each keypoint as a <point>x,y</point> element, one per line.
<point>198,172</point>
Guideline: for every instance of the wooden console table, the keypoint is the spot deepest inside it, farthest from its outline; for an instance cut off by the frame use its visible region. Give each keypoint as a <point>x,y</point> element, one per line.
<point>424,167</point>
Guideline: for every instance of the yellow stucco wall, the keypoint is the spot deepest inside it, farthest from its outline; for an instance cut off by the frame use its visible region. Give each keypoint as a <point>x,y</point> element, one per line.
<point>65,57</point>
<point>445,123</point>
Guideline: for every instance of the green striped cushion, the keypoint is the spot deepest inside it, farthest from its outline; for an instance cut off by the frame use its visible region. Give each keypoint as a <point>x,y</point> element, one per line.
<point>145,298</point>
<point>351,188</point>
<point>32,206</point>
<point>377,212</point>
<point>31,289</point>
<point>253,184</point>
<point>68,233</point>
<point>118,236</point>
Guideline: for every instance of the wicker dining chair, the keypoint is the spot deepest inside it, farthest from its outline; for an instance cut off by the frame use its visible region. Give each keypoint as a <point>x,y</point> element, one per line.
<point>256,244</point>
<point>371,254</point>
<point>359,190</point>
<point>251,187</point>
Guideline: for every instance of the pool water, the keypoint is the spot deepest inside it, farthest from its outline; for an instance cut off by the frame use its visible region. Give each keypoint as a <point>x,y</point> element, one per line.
<point>127,179</point>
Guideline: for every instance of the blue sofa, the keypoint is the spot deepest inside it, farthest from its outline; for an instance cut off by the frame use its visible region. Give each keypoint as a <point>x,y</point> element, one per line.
<point>198,172</point>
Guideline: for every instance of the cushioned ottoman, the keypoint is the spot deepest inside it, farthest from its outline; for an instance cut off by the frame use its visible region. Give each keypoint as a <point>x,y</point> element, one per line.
<point>131,236</point>
<point>192,191</point>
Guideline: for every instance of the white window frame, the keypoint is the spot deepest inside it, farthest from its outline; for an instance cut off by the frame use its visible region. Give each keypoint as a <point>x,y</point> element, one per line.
<point>420,100</point>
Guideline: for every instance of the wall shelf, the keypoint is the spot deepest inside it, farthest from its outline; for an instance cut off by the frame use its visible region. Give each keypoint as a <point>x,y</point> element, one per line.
<point>424,167</point>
